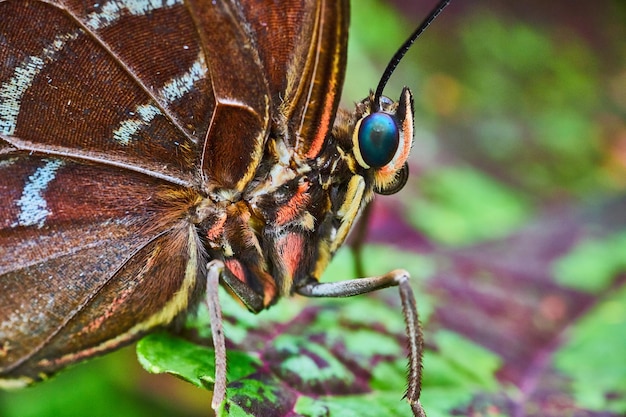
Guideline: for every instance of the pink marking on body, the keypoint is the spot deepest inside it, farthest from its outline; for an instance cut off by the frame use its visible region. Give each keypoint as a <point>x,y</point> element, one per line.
<point>291,248</point>
<point>234,266</point>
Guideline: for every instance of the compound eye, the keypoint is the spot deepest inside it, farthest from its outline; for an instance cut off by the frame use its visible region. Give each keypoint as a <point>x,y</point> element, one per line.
<point>379,139</point>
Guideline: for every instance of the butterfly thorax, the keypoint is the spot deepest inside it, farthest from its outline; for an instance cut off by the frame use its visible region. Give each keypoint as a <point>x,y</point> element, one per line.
<point>282,230</point>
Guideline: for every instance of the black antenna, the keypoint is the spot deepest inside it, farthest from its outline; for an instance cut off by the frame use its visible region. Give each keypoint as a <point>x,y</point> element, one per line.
<point>393,63</point>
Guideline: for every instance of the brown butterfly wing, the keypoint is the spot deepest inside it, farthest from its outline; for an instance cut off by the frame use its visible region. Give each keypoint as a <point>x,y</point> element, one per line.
<point>79,254</point>
<point>74,83</point>
<point>94,128</point>
<point>303,50</point>
<point>105,139</point>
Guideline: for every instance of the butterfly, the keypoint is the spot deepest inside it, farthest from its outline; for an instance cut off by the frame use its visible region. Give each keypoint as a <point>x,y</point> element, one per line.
<point>153,150</point>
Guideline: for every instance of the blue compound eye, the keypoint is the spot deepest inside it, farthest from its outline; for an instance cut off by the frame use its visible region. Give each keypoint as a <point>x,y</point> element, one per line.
<point>378,139</point>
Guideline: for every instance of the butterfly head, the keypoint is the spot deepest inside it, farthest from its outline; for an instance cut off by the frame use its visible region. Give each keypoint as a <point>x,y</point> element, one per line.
<point>382,139</point>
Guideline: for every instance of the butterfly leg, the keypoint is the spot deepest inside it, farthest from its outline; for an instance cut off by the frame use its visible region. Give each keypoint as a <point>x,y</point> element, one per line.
<point>214,270</point>
<point>399,278</point>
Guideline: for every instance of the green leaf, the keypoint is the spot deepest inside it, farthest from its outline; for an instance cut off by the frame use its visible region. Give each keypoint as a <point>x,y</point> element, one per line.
<point>461,205</point>
<point>354,406</point>
<point>593,357</point>
<point>164,353</point>
<point>300,351</point>
<point>593,264</point>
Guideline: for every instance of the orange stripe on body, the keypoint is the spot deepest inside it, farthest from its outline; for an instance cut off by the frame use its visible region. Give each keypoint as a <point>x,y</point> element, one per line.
<point>324,126</point>
<point>294,206</point>
<point>216,230</point>
<point>328,76</point>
